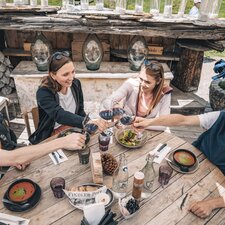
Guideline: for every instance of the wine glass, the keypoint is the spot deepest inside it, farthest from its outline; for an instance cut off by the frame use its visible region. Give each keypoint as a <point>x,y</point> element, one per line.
<point>105,110</point>
<point>88,125</point>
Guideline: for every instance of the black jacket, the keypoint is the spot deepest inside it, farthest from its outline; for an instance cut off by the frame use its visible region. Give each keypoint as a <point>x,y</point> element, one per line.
<point>50,112</point>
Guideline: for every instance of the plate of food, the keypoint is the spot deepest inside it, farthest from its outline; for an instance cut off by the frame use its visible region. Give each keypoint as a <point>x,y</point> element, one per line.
<point>90,193</point>
<point>130,138</point>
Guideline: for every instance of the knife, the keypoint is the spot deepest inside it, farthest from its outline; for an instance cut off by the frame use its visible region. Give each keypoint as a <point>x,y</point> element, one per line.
<point>55,157</point>
<point>162,147</point>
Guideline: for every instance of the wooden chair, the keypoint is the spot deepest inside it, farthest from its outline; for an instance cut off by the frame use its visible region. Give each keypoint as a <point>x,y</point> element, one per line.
<point>35,117</point>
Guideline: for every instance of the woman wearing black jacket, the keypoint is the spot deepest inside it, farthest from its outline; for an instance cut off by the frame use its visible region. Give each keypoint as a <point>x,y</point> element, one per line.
<point>60,100</point>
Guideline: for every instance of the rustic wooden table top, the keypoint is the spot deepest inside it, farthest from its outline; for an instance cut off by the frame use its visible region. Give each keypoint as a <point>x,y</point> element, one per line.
<point>163,206</point>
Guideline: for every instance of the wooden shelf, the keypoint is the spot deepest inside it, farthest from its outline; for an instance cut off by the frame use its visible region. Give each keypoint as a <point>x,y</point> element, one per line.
<point>165,57</point>
<point>16,52</point>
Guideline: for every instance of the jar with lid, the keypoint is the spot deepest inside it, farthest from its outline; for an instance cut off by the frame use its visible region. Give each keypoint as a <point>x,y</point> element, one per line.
<point>138,185</point>
<point>120,178</point>
<point>149,176</point>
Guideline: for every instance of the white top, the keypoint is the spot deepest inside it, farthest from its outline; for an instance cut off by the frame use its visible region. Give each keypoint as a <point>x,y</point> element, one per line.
<point>67,102</point>
<point>208,119</point>
<point>194,11</point>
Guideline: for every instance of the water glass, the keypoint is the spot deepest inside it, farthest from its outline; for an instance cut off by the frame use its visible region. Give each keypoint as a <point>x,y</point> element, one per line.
<point>99,5</point>
<point>121,6</point>
<point>2,3</point>
<point>155,7</point>
<point>139,6</point>
<point>84,4</point>
<point>165,172</point>
<point>84,155</point>
<point>182,8</point>
<point>57,185</point>
<point>168,8</point>
<point>103,141</point>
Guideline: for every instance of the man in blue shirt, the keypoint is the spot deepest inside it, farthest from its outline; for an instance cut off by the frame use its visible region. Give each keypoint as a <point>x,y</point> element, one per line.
<point>195,9</point>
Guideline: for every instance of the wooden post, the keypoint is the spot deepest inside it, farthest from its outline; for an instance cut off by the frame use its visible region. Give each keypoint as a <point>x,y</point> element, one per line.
<point>188,71</point>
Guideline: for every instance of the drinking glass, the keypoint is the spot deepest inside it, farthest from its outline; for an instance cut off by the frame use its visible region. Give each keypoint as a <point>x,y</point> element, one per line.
<point>57,185</point>
<point>84,4</point>
<point>121,6</point>
<point>106,111</point>
<point>103,141</point>
<point>168,8</point>
<point>155,7</point>
<point>139,6</point>
<point>99,5</point>
<point>165,172</point>
<point>84,155</point>
<point>182,8</point>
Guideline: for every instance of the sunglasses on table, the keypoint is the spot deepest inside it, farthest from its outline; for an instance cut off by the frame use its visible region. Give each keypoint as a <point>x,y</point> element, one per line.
<point>59,55</point>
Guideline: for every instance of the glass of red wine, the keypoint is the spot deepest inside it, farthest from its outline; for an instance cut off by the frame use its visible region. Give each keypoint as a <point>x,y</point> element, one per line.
<point>106,110</point>
<point>88,125</point>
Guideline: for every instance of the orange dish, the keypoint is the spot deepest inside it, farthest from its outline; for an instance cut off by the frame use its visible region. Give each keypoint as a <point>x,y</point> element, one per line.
<point>184,158</point>
<point>21,191</point>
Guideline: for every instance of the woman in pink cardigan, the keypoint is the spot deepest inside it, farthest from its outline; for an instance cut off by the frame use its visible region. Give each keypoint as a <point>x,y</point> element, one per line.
<point>144,96</point>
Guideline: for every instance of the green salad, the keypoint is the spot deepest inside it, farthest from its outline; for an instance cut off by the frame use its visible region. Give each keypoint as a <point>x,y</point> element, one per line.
<point>129,138</point>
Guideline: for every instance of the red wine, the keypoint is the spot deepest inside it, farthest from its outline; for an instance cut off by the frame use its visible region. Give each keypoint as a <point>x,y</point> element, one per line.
<point>106,114</point>
<point>118,111</point>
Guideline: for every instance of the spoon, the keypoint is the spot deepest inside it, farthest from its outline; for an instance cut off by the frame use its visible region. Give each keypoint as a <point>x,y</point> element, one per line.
<point>15,204</point>
<point>182,168</point>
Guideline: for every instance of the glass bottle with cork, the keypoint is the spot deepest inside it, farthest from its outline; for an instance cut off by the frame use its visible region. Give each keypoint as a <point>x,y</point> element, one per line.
<point>120,178</point>
<point>149,176</point>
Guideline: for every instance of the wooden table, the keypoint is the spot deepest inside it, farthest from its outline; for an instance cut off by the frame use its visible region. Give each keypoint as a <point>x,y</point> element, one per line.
<point>163,207</point>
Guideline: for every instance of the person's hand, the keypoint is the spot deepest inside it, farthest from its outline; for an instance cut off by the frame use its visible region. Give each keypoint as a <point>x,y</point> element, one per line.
<point>140,123</point>
<point>74,141</point>
<point>102,124</point>
<point>23,166</point>
<point>201,209</point>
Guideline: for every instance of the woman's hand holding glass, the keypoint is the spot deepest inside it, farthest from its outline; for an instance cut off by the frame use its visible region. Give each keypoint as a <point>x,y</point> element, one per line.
<point>74,141</point>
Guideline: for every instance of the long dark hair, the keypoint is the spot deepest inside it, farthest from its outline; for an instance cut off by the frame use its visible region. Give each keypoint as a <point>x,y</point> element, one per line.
<point>57,60</point>
<point>155,70</point>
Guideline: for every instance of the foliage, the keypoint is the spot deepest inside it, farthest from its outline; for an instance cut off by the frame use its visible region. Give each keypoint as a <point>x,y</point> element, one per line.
<point>222,84</point>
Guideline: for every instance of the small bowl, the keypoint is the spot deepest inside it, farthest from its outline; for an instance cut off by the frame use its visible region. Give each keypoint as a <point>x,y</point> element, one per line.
<point>123,209</point>
<point>102,198</point>
<point>21,191</point>
<point>184,158</point>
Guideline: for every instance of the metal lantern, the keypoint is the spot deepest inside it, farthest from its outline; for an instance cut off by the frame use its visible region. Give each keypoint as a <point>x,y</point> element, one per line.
<point>41,51</point>
<point>92,52</point>
<point>137,52</point>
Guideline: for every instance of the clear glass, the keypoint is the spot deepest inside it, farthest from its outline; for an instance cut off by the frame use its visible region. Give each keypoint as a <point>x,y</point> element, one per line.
<point>25,2</point>
<point>84,4</point>
<point>168,8</point>
<point>2,3</point>
<point>121,6</point>
<point>155,7</point>
<point>17,2</point>
<point>205,9</point>
<point>120,178</point>
<point>182,7</point>
<point>44,3</point>
<point>149,173</point>
<point>216,4</point>
<point>139,6</point>
<point>99,4</point>
<point>33,2</point>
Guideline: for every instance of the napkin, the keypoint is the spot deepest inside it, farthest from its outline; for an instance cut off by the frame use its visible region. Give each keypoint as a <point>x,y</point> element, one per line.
<point>97,209</point>
<point>12,220</point>
<point>159,156</point>
<point>58,157</point>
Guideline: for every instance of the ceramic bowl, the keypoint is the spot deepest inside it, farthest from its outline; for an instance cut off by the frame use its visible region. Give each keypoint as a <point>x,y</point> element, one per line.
<point>184,158</point>
<point>21,191</point>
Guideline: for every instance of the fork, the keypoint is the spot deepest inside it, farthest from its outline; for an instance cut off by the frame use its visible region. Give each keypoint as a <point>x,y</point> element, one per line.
<point>60,156</point>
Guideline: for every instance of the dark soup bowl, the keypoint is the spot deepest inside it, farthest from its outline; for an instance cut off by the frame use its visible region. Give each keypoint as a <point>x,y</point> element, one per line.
<point>184,159</point>
<point>74,130</point>
<point>21,191</point>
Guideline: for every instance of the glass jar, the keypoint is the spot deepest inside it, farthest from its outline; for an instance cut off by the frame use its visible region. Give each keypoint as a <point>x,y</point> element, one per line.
<point>205,9</point>
<point>139,6</point>
<point>182,7</point>
<point>84,4</point>
<point>138,185</point>
<point>216,4</point>
<point>99,4</point>
<point>149,176</point>
<point>2,3</point>
<point>120,178</point>
<point>121,6</point>
<point>168,8</point>
<point>154,7</point>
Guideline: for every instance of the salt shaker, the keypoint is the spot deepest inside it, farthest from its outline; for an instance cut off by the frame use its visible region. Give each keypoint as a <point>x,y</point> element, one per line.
<point>138,185</point>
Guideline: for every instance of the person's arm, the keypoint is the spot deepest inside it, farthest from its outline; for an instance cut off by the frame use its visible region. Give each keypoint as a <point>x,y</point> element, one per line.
<point>204,208</point>
<point>46,100</point>
<point>81,111</point>
<point>168,120</point>
<point>32,152</point>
